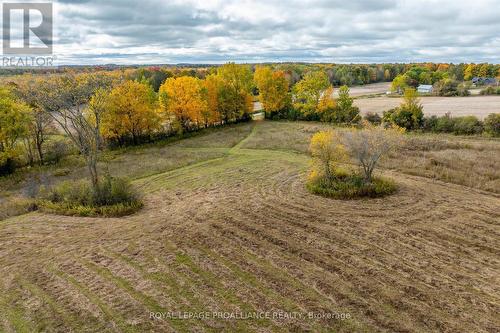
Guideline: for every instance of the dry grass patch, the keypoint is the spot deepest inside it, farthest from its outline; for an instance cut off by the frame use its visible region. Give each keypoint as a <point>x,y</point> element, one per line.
<point>470,161</point>
<point>284,135</point>
<point>466,161</point>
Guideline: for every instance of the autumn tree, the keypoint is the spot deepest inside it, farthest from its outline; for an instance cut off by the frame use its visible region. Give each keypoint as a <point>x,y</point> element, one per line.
<point>41,122</point>
<point>327,152</point>
<point>308,91</point>
<point>239,77</point>
<point>131,113</point>
<point>95,112</point>
<point>185,98</point>
<point>153,76</point>
<point>273,89</point>
<point>399,84</point>
<point>409,114</point>
<point>484,70</point>
<point>212,86</point>
<point>233,104</point>
<point>369,145</point>
<point>327,100</point>
<point>65,98</point>
<point>470,71</point>
<point>234,94</point>
<point>346,111</point>
<point>14,125</point>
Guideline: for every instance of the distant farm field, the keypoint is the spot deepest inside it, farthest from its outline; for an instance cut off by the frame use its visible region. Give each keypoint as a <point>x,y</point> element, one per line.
<point>228,227</point>
<point>368,89</point>
<point>479,106</point>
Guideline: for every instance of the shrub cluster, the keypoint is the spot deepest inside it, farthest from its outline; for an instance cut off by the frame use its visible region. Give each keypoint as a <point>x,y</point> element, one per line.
<point>334,115</point>
<point>492,125</point>
<point>404,117</point>
<point>113,197</point>
<point>409,115</point>
<point>365,147</point>
<point>325,108</point>
<point>490,91</point>
<point>373,117</point>
<point>449,87</point>
<point>467,125</point>
<point>351,186</point>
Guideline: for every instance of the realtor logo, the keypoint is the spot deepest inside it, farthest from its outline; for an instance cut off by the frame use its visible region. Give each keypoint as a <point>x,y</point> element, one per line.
<point>27,28</point>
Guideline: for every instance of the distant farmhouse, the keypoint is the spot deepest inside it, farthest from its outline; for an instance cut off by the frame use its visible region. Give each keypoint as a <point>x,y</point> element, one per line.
<point>425,89</point>
<point>484,81</point>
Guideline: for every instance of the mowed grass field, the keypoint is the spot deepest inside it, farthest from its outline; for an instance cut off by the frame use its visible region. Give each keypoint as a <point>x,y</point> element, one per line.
<point>479,106</point>
<point>228,226</point>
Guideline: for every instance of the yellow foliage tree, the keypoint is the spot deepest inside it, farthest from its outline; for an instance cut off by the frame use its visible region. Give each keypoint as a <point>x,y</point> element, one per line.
<point>130,112</point>
<point>239,77</point>
<point>14,124</point>
<point>184,97</point>
<point>484,70</point>
<point>234,94</point>
<point>212,84</point>
<point>273,89</point>
<point>469,72</point>
<point>327,152</point>
<point>27,88</point>
<point>308,92</point>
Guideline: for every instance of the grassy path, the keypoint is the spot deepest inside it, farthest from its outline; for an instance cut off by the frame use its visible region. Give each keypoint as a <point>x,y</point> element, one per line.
<point>246,139</point>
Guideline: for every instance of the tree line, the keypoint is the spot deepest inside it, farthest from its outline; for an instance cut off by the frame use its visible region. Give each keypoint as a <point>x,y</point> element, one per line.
<point>130,106</point>
<point>448,80</point>
<point>102,108</point>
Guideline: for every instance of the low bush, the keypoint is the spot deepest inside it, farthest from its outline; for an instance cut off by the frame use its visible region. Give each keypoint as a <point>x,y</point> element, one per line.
<point>7,165</point>
<point>449,87</point>
<point>404,117</point>
<point>373,118</point>
<point>444,124</point>
<point>492,125</point>
<point>468,125</point>
<point>338,115</point>
<point>55,152</point>
<point>351,186</point>
<point>429,123</point>
<point>490,91</point>
<point>409,115</point>
<point>114,197</point>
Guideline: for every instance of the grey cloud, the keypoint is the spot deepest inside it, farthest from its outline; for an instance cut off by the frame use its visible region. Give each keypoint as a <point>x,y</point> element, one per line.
<point>206,31</point>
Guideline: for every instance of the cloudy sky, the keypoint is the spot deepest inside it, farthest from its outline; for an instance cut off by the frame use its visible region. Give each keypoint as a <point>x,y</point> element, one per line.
<point>214,31</point>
